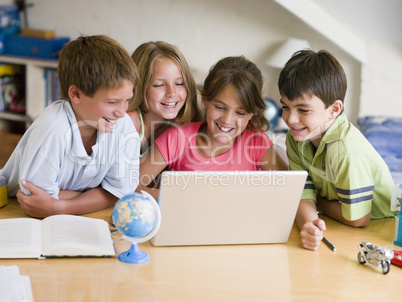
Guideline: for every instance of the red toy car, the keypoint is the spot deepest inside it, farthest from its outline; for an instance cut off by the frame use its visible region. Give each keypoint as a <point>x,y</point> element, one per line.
<point>397,260</point>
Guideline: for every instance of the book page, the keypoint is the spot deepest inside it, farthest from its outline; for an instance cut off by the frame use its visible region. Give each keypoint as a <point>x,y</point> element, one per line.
<point>70,235</point>
<point>20,238</point>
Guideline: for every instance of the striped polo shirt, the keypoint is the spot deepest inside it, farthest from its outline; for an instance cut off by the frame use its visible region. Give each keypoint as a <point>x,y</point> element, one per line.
<point>345,167</point>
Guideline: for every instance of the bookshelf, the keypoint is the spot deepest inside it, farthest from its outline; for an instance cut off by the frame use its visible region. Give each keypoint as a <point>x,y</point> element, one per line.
<point>35,87</point>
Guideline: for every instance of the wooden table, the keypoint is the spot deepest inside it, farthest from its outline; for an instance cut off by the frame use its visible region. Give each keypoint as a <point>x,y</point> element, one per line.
<point>272,272</point>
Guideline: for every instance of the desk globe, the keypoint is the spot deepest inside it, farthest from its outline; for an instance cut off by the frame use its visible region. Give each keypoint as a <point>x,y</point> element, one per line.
<point>137,217</point>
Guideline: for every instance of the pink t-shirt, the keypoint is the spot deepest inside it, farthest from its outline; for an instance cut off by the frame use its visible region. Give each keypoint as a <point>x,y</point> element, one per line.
<point>178,148</point>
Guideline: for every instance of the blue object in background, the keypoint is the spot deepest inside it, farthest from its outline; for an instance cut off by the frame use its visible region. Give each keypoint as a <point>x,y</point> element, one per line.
<point>34,47</point>
<point>9,19</point>
<point>9,23</point>
<point>396,198</point>
<point>398,229</point>
<point>272,112</point>
<point>385,134</point>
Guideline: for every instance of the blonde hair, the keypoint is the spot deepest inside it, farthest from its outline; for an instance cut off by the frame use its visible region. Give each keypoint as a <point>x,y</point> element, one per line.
<point>145,56</point>
<point>93,62</point>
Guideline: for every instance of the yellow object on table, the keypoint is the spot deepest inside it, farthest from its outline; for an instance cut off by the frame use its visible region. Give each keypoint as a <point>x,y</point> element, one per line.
<point>3,192</point>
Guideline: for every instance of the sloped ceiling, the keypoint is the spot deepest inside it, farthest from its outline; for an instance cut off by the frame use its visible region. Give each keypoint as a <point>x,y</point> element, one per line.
<point>351,23</point>
<point>371,20</point>
<point>322,21</point>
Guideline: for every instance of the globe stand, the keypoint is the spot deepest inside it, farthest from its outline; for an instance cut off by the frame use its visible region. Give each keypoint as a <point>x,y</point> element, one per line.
<point>134,254</point>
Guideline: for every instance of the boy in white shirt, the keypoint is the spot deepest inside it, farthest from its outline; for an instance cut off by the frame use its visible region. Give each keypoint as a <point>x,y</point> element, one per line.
<point>82,153</point>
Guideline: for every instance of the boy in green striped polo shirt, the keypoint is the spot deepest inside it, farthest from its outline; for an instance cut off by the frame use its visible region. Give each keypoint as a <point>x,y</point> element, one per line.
<point>348,180</point>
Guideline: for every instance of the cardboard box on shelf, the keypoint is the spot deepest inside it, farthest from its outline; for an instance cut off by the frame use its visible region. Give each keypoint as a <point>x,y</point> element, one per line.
<point>38,33</point>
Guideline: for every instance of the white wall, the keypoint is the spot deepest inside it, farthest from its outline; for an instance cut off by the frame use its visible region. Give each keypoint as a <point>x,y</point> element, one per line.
<point>204,30</point>
<point>382,80</point>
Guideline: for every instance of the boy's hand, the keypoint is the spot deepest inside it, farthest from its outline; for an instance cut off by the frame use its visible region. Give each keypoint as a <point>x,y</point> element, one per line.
<point>40,204</point>
<point>312,233</point>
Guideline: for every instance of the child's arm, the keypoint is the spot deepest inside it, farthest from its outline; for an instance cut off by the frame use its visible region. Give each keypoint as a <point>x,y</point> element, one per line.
<point>332,208</point>
<point>150,168</point>
<point>311,227</point>
<point>272,160</point>
<point>68,194</point>
<point>41,204</point>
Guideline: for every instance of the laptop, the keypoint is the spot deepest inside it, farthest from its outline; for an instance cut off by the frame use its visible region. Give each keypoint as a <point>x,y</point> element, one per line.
<point>219,208</point>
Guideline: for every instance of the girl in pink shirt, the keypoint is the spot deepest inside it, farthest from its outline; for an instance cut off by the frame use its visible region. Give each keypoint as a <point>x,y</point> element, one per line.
<point>232,137</point>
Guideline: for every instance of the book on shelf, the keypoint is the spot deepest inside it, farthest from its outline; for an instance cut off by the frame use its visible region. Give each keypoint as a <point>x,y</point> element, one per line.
<point>52,83</point>
<point>55,236</point>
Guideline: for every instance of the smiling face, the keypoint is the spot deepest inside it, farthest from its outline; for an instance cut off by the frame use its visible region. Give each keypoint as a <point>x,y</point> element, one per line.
<point>307,117</point>
<point>101,111</point>
<point>167,92</point>
<point>225,118</point>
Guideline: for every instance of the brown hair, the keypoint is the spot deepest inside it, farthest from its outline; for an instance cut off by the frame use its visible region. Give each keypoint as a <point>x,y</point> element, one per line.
<point>313,73</point>
<point>93,62</point>
<point>247,80</point>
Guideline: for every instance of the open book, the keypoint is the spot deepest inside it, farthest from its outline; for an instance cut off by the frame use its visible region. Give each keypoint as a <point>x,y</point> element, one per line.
<point>55,236</point>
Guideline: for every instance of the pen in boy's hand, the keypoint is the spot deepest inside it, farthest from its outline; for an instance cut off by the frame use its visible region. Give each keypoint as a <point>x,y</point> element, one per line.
<point>329,244</point>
